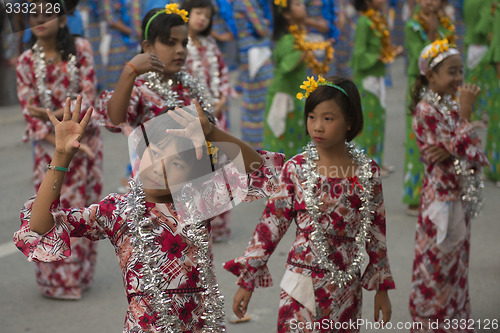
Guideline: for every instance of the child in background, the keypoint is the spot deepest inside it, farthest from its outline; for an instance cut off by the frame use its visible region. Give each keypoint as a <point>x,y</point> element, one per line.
<point>255,67</point>
<point>58,65</point>
<point>450,192</point>
<point>164,249</point>
<point>427,24</point>
<point>333,192</point>
<point>285,129</point>
<point>204,61</point>
<point>372,51</point>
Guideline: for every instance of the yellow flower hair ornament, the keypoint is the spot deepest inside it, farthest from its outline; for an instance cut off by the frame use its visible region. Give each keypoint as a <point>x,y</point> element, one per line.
<point>281,3</point>
<point>435,53</point>
<point>171,8</point>
<point>311,84</point>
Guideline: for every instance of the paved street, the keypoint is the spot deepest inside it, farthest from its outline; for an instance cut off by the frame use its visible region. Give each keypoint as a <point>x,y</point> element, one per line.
<point>102,309</point>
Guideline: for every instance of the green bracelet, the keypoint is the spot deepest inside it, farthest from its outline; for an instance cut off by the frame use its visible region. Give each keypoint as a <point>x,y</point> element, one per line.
<point>51,167</point>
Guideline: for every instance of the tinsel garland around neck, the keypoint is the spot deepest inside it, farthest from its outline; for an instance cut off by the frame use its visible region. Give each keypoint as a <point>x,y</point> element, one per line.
<point>472,184</point>
<point>40,67</point>
<point>142,240</point>
<point>196,89</point>
<point>313,204</point>
<point>214,80</point>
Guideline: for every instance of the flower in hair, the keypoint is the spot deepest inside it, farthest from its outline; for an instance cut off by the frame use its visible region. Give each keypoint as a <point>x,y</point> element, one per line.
<point>173,8</point>
<point>436,48</point>
<point>281,3</point>
<point>310,85</point>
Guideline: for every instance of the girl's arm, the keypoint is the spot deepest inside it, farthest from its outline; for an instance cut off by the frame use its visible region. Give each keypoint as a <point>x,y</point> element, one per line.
<point>118,104</point>
<point>68,132</point>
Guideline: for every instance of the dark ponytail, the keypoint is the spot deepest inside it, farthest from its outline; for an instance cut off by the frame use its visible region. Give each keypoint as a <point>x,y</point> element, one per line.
<point>416,90</point>
<point>280,23</point>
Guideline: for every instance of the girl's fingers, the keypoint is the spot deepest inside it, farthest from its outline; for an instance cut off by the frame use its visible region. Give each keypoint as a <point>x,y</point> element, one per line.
<point>78,108</point>
<point>177,132</point>
<point>67,107</point>
<point>53,119</point>
<point>86,119</point>
<point>177,115</point>
<point>198,109</point>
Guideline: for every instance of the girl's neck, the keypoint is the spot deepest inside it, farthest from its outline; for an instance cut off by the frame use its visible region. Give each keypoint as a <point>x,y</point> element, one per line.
<point>336,163</point>
<point>334,155</point>
<point>48,44</point>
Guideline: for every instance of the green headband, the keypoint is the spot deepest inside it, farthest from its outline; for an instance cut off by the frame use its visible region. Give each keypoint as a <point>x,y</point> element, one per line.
<point>329,84</point>
<point>171,8</point>
<point>149,23</point>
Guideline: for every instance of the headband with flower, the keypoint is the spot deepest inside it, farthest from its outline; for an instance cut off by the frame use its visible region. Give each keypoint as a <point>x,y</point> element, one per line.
<point>171,8</point>
<point>311,84</point>
<point>281,3</point>
<point>433,54</point>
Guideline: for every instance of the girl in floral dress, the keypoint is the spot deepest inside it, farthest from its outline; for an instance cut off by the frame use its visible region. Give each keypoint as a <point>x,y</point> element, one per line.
<point>427,24</point>
<point>56,66</point>
<point>333,192</point>
<point>372,51</point>
<point>440,288</point>
<point>160,229</point>
<point>204,60</point>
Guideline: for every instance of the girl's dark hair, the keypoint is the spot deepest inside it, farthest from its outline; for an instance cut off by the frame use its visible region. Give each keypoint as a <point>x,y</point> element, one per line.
<point>360,5</point>
<point>160,26</point>
<point>65,42</point>
<point>416,90</point>
<point>190,4</point>
<point>350,105</point>
<point>280,23</point>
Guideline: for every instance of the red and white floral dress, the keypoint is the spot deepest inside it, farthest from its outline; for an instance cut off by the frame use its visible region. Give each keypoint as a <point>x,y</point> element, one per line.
<point>174,251</point>
<point>340,221</point>
<point>440,288</point>
<point>83,183</point>
<point>206,63</point>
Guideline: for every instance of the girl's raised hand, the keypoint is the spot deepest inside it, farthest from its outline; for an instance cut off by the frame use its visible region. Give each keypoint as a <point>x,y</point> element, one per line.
<point>468,94</point>
<point>191,127</point>
<point>146,62</point>
<point>69,131</point>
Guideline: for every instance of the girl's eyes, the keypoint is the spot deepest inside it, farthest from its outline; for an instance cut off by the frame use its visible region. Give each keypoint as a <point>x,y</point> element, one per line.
<point>178,165</point>
<point>328,118</point>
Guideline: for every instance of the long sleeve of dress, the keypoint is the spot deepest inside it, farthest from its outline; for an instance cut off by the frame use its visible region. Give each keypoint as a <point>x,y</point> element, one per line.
<point>278,215</point>
<point>288,57</point>
<point>55,244</point>
<point>377,275</point>
<point>36,129</point>
<point>431,128</point>
<point>364,57</point>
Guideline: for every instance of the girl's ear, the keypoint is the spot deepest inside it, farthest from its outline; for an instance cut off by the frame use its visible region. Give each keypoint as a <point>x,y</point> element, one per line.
<point>62,21</point>
<point>147,46</point>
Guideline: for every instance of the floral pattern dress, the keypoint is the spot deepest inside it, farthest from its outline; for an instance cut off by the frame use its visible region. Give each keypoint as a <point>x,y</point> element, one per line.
<point>340,221</point>
<point>83,183</point>
<point>206,62</point>
<point>174,251</point>
<point>440,288</point>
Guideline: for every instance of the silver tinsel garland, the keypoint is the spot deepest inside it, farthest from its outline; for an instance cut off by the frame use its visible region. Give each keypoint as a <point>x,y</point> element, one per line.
<point>214,72</point>
<point>472,184</point>
<point>196,89</point>
<point>142,240</point>
<point>40,65</point>
<point>313,204</point>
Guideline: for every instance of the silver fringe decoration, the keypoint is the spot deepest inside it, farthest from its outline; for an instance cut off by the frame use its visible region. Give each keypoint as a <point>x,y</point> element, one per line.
<point>164,89</point>
<point>313,204</point>
<point>142,240</point>
<point>200,237</point>
<point>472,184</point>
<point>214,83</point>
<point>40,65</point>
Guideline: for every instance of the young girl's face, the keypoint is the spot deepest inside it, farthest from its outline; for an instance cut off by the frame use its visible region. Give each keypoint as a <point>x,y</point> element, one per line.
<point>448,76</point>
<point>156,163</point>
<point>430,6</point>
<point>173,53</point>
<point>199,19</point>
<point>326,125</point>
<point>44,23</point>
<point>297,11</point>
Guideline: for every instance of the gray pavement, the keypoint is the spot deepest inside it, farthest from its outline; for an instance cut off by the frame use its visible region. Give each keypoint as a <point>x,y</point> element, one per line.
<point>102,308</point>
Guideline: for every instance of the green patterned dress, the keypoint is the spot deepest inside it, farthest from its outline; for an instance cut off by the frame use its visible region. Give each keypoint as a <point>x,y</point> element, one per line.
<point>289,73</point>
<point>365,63</point>
<point>416,39</point>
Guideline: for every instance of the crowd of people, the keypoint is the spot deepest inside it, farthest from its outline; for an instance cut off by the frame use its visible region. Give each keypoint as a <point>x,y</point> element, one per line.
<point>311,76</point>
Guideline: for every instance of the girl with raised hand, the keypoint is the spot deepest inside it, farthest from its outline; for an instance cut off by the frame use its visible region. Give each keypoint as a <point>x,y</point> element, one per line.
<point>372,51</point>
<point>160,229</point>
<point>427,24</point>
<point>333,192</point>
<point>451,188</point>
<point>56,66</point>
